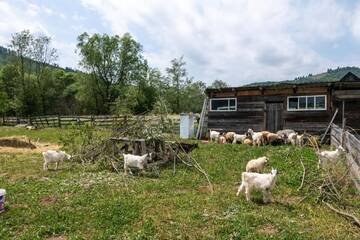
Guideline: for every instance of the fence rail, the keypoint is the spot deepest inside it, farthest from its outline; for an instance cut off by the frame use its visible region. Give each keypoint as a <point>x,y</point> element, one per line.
<point>65,121</point>
<point>352,146</point>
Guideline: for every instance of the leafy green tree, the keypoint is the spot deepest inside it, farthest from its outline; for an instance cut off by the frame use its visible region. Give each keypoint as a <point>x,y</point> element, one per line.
<point>177,77</point>
<point>217,84</point>
<point>4,100</point>
<point>115,62</point>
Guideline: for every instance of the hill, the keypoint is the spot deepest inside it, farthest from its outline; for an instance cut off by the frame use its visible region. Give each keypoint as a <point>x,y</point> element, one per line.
<point>6,53</point>
<point>331,75</point>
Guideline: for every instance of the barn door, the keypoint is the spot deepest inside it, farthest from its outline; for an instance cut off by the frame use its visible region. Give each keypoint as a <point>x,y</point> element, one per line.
<point>274,121</point>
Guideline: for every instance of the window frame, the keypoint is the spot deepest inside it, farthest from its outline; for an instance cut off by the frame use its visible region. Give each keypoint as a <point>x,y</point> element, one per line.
<point>306,109</point>
<point>227,110</point>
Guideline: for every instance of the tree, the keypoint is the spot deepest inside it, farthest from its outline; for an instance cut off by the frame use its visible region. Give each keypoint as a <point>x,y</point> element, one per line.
<point>114,62</point>
<point>43,55</point>
<point>177,76</point>
<point>217,84</point>
<point>21,46</point>
<point>4,100</point>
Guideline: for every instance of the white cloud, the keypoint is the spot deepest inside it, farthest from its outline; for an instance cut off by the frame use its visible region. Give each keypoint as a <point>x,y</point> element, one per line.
<point>17,17</point>
<point>14,20</point>
<point>355,23</point>
<point>238,41</point>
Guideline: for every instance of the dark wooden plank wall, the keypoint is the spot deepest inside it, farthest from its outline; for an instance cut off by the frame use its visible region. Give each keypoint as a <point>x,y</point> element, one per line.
<point>352,113</point>
<point>252,113</point>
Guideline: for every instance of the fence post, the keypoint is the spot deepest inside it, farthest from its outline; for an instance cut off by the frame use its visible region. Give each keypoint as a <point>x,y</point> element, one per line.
<point>59,121</point>
<point>343,132</point>
<point>92,120</point>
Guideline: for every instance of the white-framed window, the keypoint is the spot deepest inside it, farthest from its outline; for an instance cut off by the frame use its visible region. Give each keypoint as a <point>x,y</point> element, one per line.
<point>223,104</point>
<point>306,103</point>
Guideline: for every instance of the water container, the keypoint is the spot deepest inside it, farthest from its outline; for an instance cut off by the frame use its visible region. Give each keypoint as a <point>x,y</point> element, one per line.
<point>186,125</point>
<point>2,200</point>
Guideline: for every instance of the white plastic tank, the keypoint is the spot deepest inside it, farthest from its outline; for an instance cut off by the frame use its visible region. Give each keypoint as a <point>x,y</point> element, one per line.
<point>186,125</point>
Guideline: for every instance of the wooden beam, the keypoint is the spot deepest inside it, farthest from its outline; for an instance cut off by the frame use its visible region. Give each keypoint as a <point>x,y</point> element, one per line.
<point>327,129</point>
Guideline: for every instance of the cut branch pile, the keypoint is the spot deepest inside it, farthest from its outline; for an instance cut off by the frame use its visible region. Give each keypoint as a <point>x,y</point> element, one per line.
<point>139,135</point>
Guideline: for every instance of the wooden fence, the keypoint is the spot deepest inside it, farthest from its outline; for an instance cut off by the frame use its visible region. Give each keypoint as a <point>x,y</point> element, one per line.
<point>351,144</point>
<point>65,121</point>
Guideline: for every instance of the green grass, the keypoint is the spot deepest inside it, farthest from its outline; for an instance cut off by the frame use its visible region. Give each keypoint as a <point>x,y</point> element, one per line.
<point>50,135</point>
<point>82,203</point>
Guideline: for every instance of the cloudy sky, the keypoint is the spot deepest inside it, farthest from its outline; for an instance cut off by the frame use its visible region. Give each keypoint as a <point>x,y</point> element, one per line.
<point>238,41</point>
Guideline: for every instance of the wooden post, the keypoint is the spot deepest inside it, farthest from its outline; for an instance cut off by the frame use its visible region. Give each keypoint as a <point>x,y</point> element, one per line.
<point>59,121</point>
<point>327,129</point>
<point>343,111</point>
<point>92,122</point>
<point>343,132</point>
<point>47,122</point>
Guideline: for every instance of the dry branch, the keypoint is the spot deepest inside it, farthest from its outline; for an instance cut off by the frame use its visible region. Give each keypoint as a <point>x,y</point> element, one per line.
<point>348,215</point>
<point>303,176</point>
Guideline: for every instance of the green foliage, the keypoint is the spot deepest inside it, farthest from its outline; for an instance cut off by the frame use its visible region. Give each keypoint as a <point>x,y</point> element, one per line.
<point>218,84</point>
<point>332,75</point>
<point>118,79</point>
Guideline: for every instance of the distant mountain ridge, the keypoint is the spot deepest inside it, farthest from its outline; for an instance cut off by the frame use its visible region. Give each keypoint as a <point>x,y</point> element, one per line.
<point>331,75</point>
<point>6,53</point>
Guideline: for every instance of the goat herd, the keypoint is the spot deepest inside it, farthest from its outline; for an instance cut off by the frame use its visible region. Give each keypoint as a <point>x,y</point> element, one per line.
<point>252,178</point>
<point>286,136</point>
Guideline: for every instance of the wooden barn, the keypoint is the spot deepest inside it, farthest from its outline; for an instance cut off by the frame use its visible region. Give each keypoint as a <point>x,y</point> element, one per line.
<point>285,105</point>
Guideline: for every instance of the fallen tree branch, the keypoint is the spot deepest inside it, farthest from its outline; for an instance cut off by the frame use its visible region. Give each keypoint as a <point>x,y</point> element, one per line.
<point>348,215</point>
<point>303,176</point>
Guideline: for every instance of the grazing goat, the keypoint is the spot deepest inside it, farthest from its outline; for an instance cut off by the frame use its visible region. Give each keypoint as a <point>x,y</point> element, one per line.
<point>239,138</point>
<point>274,139</point>
<point>330,156</point>
<point>51,156</point>
<point>229,136</point>
<point>248,141</point>
<point>256,165</point>
<point>135,161</point>
<point>300,140</point>
<point>265,135</point>
<point>284,134</point>
<point>31,127</point>
<point>214,136</point>
<point>292,138</point>
<point>222,140</point>
<point>258,181</point>
<point>257,137</point>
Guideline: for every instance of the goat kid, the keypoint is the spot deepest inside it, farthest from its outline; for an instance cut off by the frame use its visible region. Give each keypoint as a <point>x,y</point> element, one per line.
<point>264,182</point>
<point>52,156</point>
<point>135,161</point>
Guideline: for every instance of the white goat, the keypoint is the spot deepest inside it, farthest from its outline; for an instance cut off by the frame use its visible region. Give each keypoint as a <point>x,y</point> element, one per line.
<point>239,138</point>
<point>300,140</point>
<point>258,181</point>
<point>257,137</point>
<point>135,161</point>
<point>284,134</point>
<point>214,136</point>
<point>330,156</point>
<point>292,138</point>
<point>51,156</point>
<point>256,165</point>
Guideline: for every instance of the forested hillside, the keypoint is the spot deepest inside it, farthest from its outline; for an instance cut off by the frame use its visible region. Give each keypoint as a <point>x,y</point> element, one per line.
<point>330,75</point>
<point>116,79</point>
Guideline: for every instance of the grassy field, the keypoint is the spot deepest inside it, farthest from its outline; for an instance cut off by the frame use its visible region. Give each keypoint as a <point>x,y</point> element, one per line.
<point>78,202</point>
